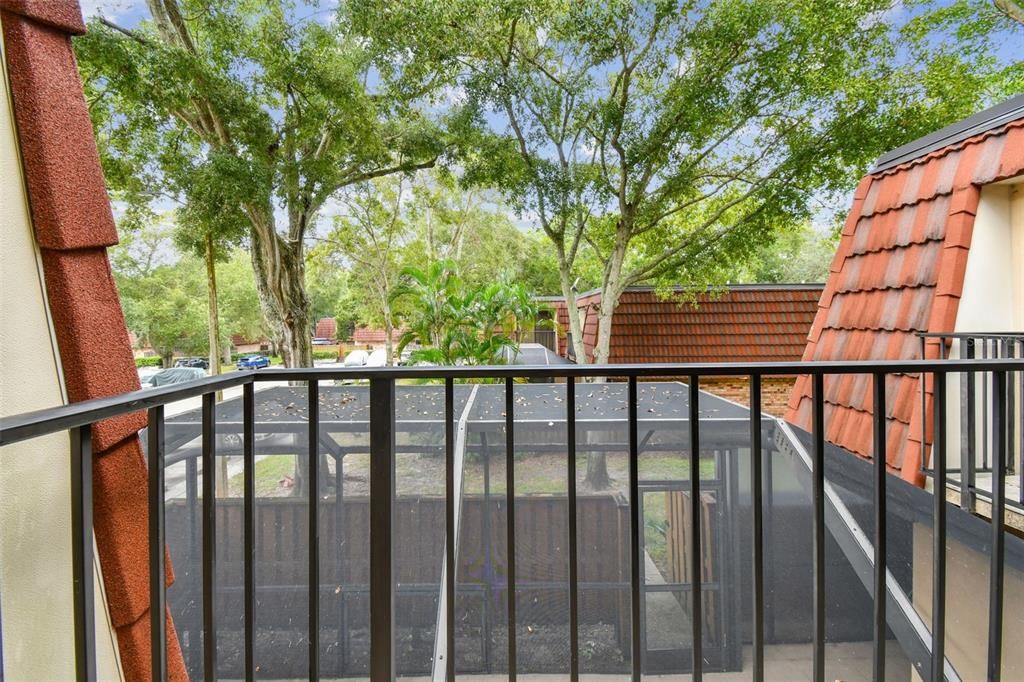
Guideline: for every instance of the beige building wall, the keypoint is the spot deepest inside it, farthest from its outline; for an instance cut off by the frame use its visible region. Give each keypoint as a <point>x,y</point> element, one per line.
<point>35,516</point>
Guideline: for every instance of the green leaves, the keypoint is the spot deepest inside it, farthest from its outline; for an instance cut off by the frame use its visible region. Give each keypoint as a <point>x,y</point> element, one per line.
<point>452,324</point>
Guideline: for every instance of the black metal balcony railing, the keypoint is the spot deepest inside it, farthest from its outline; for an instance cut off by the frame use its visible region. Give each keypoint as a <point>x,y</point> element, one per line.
<point>973,474</point>
<point>78,418</point>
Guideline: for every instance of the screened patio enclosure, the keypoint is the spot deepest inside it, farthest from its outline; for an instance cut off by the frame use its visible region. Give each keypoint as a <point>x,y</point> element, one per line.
<point>541,533</point>
<point>544,441</point>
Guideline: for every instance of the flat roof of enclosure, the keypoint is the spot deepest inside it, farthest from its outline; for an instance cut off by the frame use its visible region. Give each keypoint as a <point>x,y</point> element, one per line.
<point>347,407</point>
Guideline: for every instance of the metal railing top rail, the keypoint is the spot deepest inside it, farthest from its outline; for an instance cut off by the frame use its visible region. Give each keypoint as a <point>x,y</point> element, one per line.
<point>37,423</point>
<point>971,335</point>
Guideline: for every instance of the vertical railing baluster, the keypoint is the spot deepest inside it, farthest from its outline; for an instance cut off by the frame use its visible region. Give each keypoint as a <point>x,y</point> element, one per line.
<point>995,592</point>
<point>879,454</point>
<point>986,388</point>
<point>249,532</point>
<point>194,583</point>
<point>510,520</point>
<point>924,414</point>
<point>757,510</point>
<point>939,530</point>
<point>967,473</point>
<point>1018,416</point>
<point>82,553</point>
<point>696,609</point>
<point>209,515</point>
<point>313,410</point>
<point>157,538</point>
<point>574,609</point>
<point>449,525</point>
<point>635,529</point>
<point>818,502</point>
<point>382,489</point>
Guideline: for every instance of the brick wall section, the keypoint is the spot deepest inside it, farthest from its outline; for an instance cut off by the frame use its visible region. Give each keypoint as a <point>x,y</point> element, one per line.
<point>775,391</point>
<point>73,225</point>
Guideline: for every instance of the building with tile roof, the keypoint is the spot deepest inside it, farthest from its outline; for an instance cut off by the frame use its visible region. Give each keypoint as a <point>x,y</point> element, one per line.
<point>743,323</point>
<point>57,225</point>
<point>326,328</point>
<point>934,242</point>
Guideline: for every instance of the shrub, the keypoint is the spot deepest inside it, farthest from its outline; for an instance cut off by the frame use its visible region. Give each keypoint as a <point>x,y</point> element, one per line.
<point>148,362</point>
<point>325,355</point>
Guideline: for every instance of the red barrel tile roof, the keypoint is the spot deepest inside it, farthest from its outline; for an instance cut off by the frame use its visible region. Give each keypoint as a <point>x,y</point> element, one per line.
<point>745,323</point>
<point>899,270</point>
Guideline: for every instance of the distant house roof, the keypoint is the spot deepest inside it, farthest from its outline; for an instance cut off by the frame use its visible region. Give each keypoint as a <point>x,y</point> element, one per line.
<point>370,336</point>
<point>326,328</point>
<point>898,270</point>
<point>745,323</point>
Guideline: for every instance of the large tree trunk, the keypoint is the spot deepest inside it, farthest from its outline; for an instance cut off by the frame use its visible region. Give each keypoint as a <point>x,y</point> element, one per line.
<point>281,283</point>
<point>213,319</point>
<point>389,345</point>
<point>611,289</point>
<point>572,312</point>
<point>213,315</point>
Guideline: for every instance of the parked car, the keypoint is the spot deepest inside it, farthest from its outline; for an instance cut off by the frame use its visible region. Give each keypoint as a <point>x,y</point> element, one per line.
<point>356,358</point>
<point>321,341</point>
<point>253,362</point>
<point>201,363</point>
<point>377,358</point>
<point>176,375</point>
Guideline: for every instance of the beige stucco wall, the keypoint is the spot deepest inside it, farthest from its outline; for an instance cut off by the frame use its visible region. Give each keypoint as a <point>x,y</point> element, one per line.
<point>993,294</point>
<point>35,539</point>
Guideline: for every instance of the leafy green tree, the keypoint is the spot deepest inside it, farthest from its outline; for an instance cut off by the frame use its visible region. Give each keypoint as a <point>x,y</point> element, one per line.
<point>257,112</point>
<point>165,307</point>
<point>801,254</point>
<point>671,138</point>
<point>240,312</point>
<point>370,235</point>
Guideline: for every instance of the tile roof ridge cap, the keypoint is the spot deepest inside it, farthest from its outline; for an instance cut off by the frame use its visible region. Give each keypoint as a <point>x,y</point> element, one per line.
<point>943,151</point>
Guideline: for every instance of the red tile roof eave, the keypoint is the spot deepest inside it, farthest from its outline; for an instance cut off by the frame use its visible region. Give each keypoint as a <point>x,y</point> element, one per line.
<point>73,226</point>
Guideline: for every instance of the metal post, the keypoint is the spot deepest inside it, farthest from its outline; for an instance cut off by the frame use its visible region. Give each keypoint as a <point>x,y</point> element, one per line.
<point>879,455</point>
<point>82,553</point>
<point>157,575</point>
<point>574,609</point>
<point>939,531</point>
<point>696,610</point>
<point>967,472</point>
<point>382,489</point>
<point>249,533</point>
<point>510,521</point>
<point>449,525</point>
<point>313,484</point>
<point>995,593</point>
<point>757,510</point>
<point>818,502</point>
<point>209,558</point>
<point>635,533</point>
<point>193,625</point>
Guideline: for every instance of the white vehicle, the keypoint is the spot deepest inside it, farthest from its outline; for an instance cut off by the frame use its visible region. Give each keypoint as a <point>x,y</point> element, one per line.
<point>356,358</point>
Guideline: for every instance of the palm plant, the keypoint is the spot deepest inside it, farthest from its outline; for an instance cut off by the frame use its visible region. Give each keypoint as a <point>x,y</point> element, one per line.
<point>454,325</point>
